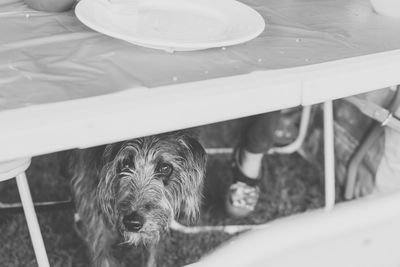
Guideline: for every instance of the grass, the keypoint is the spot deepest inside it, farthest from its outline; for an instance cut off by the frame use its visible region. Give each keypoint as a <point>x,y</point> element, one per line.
<point>290,185</point>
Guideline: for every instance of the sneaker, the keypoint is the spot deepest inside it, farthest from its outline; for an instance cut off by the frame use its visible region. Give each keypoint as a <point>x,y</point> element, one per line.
<point>243,194</point>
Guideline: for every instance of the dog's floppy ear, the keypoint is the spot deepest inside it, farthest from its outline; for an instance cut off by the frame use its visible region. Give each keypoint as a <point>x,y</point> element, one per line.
<point>106,198</point>
<point>195,169</point>
<point>106,186</point>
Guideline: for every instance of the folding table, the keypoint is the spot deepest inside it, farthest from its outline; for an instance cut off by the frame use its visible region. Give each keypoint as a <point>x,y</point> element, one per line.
<point>64,86</point>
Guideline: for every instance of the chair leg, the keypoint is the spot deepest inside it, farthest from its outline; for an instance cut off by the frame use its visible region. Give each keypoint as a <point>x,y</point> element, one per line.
<point>296,144</point>
<point>329,156</point>
<point>31,219</point>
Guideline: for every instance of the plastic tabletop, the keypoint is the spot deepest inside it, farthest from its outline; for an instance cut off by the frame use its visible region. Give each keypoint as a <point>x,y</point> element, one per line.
<point>63,85</point>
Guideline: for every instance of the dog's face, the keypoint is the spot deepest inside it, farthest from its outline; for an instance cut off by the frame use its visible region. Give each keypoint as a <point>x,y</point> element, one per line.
<point>146,182</point>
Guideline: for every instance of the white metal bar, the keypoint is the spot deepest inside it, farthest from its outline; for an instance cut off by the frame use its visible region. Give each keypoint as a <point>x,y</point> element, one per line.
<point>288,149</point>
<point>229,229</point>
<point>296,144</point>
<point>219,150</point>
<point>329,156</point>
<point>31,219</point>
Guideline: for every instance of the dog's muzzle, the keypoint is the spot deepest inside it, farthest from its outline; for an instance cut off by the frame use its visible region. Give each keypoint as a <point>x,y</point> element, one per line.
<point>133,222</point>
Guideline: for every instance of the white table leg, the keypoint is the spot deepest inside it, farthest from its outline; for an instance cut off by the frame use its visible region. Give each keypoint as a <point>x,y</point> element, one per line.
<point>329,156</point>
<point>31,219</point>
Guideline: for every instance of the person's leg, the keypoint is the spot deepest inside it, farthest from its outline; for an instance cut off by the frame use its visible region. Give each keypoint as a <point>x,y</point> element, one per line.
<point>257,140</point>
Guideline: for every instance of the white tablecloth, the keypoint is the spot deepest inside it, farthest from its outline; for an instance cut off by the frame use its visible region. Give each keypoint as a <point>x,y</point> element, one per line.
<point>63,85</point>
<point>48,57</point>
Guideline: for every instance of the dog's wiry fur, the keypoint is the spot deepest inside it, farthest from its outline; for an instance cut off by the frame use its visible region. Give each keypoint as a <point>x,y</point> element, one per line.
<point>112,181</point>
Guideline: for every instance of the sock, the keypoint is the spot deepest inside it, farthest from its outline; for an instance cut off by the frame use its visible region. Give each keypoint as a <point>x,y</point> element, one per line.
<point>250,163</point>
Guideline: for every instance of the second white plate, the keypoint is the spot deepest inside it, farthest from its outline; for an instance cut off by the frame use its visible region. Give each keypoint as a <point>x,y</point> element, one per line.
<point>174,25</point>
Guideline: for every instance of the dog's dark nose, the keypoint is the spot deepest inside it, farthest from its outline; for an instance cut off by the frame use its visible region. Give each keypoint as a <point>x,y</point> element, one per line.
<point>133,222</point>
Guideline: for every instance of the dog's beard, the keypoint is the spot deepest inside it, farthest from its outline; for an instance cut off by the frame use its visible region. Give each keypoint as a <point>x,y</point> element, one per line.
<point>149,236</point>
<point>156,225</point>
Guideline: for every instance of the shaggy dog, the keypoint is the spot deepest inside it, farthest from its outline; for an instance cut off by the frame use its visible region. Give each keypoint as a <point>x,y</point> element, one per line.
<point>129,192</point>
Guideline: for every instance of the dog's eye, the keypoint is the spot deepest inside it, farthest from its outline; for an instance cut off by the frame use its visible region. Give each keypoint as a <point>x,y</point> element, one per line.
<point>126,163</point>
<point>164,169</point>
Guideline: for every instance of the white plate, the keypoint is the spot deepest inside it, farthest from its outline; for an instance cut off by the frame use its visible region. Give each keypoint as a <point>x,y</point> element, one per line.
<point>177,25</point>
